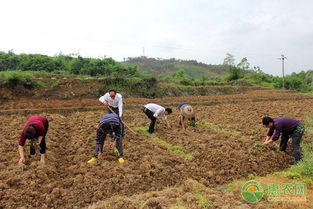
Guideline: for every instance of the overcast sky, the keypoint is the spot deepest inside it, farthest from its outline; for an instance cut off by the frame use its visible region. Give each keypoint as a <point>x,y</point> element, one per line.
<point>202,30</point>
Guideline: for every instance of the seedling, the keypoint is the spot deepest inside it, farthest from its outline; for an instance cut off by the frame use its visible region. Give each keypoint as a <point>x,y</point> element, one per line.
<point>258,145</point>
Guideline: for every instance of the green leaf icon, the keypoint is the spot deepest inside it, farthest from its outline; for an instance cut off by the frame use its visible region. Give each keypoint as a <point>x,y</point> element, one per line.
<point>252,192</point>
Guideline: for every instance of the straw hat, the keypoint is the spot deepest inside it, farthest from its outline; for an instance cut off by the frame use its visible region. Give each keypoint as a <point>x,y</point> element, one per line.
<point>187,111</point>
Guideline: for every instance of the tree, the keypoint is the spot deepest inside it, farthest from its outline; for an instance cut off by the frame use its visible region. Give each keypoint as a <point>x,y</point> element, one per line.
<point>309,77</point>
<point>235,73</point>
<point>229,60</point>
<point>179,74</point>
<point>244,64</point>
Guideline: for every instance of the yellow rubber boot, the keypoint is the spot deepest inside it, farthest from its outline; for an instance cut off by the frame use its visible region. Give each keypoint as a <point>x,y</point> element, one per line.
<point>121,160</point>
<point>93,160</point>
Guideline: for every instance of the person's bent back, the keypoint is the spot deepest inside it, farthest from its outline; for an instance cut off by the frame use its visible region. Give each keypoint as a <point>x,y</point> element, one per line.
<point>35,129</point>
<point>154,112</point>
<point>186,114</point>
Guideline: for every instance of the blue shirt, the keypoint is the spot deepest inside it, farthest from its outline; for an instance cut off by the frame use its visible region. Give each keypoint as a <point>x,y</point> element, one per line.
<point>110,119</point>
<point>182,104</point>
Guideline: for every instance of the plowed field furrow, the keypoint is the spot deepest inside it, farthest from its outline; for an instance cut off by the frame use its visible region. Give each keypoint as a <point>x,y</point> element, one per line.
<point>223,145</point>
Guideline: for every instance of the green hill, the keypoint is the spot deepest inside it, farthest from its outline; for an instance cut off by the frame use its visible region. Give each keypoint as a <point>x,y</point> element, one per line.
<point>159,66</point>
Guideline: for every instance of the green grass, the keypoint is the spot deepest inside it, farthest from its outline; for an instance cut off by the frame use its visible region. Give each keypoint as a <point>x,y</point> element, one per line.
<point>219,129</point>
<point>290,174</point>
<point>29,73</point>
<point>258,145</point>
<point>199,190</point>
<point>202,201</point>
<point>179,150</point>
<point>251,176</point>
<point>13,78</point>
<point>15,74</point>
<point>85,77</point>
<point>51,84</point>
<point>303,169</point>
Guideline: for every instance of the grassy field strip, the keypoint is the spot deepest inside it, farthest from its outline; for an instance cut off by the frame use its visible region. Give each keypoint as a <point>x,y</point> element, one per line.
<point>178,150</point>
<point>220,128</point>
<point>230,131</point>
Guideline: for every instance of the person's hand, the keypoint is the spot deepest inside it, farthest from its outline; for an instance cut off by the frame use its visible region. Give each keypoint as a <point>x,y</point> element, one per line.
<point>105,103</point>
<point>113,144</point>
<point>168,126</point>
<point>266,142</point>
<point>21,161</point>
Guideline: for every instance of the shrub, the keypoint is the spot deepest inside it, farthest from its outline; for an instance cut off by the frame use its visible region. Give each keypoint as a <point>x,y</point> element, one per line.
<point>235,73</point>
<point>11,79</point>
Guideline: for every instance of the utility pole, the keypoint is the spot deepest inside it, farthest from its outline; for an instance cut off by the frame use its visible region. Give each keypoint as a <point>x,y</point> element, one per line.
<point>283,66</point>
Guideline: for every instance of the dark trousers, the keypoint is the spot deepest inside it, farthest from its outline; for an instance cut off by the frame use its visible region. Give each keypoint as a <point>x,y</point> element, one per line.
<point>115,110</point>
<point>149,114</point>
<point>296,136</point>
<point>42,144</point>
<point>119,146</point>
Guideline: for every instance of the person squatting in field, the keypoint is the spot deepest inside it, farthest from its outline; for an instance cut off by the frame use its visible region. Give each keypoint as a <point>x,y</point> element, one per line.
<point>153,112</point>
<point>110,124</point>
<point>35,129</point>
<point>286,127</point>
<point>114,102</point>
<point>186,114</point>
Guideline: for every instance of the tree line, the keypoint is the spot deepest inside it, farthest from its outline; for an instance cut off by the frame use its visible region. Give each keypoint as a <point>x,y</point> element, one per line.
<point>243,72</point>
<point>67,63</point>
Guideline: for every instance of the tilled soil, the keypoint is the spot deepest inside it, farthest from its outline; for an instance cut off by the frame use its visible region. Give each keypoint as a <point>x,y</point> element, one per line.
<point>223,146</point>
<point>249,96</point>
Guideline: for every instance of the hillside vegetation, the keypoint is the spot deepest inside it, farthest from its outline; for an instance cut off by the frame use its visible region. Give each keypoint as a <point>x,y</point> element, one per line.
<point>192,68</point>
<point>142,76</point>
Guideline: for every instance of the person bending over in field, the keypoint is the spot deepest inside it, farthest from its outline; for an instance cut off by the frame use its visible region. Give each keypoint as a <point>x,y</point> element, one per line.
<point>186,114</point>
<point>110,124</point>
<point>286,127</point>
<point>153,112</point>
<point>35,130</point>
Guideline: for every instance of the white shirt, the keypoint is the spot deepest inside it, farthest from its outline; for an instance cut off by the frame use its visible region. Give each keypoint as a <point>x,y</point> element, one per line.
<point>116,102</point>
<point>157,110</point>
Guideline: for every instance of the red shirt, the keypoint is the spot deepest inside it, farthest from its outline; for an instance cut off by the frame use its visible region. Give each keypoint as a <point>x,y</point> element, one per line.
<point>39,124</point>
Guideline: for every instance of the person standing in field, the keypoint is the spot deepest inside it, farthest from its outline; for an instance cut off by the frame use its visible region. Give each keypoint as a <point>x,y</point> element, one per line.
<point>153,112</point>
<point>110,124</point>
<point>114,102</point>
<point>186,114</point>
<point>35,129</point>
<point>286,127</point>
